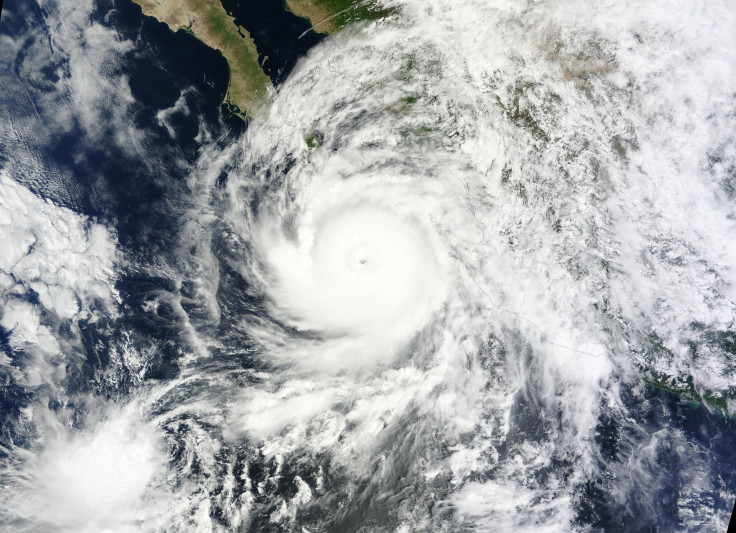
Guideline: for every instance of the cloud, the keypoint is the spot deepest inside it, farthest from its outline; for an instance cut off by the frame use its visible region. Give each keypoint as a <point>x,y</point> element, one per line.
<point>57,267</point>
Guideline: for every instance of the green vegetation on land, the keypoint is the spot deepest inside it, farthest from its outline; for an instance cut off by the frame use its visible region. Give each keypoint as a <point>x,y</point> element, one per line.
<point>312,140</point>
<point>718,344</point>
<point>208,22</point>
<point>333,15</point>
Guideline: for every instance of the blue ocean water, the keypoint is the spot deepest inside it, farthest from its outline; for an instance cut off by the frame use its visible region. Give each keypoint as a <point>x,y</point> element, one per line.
<point>140,186</point>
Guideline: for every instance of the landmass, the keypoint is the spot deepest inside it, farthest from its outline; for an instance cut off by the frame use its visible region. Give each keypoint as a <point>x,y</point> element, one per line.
<point>208,22</point>
<point>333,15</point>
<point>712,352</point>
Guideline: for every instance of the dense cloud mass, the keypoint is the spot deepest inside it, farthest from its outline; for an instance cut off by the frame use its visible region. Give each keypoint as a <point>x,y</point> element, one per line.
<point>467,269</point>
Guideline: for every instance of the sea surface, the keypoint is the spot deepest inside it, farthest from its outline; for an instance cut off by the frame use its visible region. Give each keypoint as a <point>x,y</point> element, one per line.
<point>469,268</point>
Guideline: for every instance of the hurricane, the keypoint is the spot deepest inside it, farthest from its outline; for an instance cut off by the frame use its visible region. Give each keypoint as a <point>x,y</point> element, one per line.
<point>466,267</point>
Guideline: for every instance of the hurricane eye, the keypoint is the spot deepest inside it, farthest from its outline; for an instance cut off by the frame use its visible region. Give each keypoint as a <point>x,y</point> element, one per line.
<point>362,271</point>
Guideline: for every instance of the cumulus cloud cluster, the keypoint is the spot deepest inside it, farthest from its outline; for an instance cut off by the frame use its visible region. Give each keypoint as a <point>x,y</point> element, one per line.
<point>513,213</point>
<point>55,266</point>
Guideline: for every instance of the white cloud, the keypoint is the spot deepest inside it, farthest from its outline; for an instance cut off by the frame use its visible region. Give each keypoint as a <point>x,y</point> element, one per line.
<point>67,260</point>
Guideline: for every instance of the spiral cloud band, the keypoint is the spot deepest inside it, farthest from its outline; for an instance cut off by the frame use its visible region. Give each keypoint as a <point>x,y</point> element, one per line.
<point>358,269</point>
<point>457,221</point>
<point>469,268</point>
